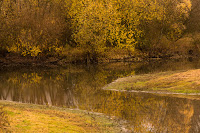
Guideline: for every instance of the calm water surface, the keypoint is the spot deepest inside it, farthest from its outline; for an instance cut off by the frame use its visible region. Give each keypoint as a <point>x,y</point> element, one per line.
<point>81,87</point>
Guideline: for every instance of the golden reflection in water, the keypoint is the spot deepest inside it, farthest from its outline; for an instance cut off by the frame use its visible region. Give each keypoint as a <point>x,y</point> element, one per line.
<point>144,112</point>
<point>82,89</point>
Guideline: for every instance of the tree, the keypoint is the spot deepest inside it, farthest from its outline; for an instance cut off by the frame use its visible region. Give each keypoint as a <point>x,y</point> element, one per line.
<point>33,27</point>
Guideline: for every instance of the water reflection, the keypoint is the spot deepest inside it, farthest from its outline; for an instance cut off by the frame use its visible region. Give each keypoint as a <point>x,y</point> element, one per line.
<point>147,112</point>
<point>56,86</point>
<point>80,87</point>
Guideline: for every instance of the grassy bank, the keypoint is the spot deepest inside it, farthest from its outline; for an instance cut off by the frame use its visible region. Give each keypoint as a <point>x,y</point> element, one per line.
<point>176,82</point>
<point>18,117</point>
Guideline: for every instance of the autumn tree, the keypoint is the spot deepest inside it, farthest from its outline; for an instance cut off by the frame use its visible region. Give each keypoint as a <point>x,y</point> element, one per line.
<point>166,21</point>
<point>33,27</point>
<point>127,24</point>
<point>99,24</point>
<point>45,27</point>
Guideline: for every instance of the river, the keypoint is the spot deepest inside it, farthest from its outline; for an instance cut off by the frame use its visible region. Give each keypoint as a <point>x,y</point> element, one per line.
<point>80,87</point>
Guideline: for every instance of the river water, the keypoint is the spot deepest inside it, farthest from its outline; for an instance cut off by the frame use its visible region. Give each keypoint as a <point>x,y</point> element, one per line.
<point>80,87</point>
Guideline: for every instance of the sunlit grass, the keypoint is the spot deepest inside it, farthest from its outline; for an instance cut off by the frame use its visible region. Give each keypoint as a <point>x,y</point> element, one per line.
<point>35,118</point>
<point>179,82</point>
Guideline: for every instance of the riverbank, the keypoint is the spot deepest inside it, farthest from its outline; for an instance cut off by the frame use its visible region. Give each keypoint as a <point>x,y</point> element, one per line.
<point>19,117</point>
<point>15,61</point>
<point>186,82</point>
<point>184,48</point>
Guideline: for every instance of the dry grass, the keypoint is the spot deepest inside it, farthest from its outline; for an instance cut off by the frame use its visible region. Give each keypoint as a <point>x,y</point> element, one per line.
<point>34,118</point>
<point>181,82</point>
<point>4,124</point>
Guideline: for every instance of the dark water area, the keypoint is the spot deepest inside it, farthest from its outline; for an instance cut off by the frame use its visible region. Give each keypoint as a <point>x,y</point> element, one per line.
<point>81,86</point>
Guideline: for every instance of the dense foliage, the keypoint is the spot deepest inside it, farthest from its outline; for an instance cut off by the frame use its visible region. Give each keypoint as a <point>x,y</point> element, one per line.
<point>55,27</point>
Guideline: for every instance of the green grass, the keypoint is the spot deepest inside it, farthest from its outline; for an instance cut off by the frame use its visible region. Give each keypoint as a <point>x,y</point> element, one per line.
<point>28,118</point>
<point>176,82</point>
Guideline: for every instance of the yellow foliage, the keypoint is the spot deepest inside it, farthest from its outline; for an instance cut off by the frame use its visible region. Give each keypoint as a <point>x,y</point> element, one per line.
<point>93,25</point>
<point>121,22</point>
<point>24,48</point>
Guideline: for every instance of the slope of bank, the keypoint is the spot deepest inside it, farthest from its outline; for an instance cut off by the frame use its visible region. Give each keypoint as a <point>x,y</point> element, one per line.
<point>18,118</point>
<point>167,82</point>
